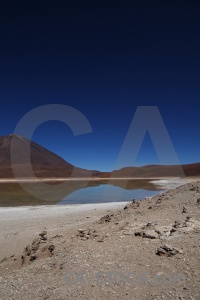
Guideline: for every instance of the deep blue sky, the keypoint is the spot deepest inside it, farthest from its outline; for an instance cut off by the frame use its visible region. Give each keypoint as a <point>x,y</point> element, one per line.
<point>103,58</point>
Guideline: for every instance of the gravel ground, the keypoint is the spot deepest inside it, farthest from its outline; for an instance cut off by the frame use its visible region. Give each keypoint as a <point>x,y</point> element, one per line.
<point>145,249</point>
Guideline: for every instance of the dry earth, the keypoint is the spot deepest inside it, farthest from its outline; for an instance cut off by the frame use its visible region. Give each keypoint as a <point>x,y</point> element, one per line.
<point>142,250</point>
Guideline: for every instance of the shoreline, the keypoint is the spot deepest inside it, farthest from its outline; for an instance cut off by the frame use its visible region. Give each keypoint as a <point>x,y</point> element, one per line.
<point>70,207</point>
<point>13,180</point>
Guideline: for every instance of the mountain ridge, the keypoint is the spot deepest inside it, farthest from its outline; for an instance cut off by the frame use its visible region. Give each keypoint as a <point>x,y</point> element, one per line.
<point>47,164</point>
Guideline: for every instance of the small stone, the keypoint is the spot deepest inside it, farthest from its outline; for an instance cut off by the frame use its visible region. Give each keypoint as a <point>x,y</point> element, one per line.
<point>23,259</point>
<point>4,259</point>
<point>51,248</point>
<point>100,240</point>
<point>35,245</point>
<point>167,247</point>
<point>138,233</point>
<point>27,251</point>
<point>184,210</point>
<point>151,234</point>
<point>158,200</point>
<point>105,219</point>
<point>43,233</point>
<point>174,252</point>
<point>33,257</point>
<point>167,250</point>
<point>161,252</point>
<point>82,230</point>
<point>177,224</point>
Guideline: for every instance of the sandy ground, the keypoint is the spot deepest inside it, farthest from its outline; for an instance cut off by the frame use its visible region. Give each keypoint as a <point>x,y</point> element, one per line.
<point>147,249</point>
<point>18,224</point>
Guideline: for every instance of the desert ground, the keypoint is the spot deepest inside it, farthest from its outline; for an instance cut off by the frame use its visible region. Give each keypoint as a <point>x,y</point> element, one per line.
<point>144,249</point>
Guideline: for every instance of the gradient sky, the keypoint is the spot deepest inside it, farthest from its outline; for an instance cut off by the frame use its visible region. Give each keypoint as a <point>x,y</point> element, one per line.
<point>103,58</point>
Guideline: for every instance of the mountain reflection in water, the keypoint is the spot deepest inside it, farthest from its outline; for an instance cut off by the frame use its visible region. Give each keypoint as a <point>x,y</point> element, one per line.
<point>74,192</point>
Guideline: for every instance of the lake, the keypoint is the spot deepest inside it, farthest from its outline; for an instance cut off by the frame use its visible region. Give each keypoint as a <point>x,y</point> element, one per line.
<point>76,192</point>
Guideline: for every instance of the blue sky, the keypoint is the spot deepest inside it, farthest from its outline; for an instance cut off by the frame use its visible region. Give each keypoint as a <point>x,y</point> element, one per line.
<point>104,59</point>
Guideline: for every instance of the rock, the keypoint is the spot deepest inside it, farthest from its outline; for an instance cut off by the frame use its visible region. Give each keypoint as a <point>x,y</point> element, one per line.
<point>100,240</point>
<point>51,248</point>
<point>151,234</point>
<point>194,188</point>
<point>35,244</point>
<point>43,233</point>
<point>139,233</point>
<point>4,259</point>
<point>184,210</point>
<point>105,219</point>
<point>23,259</point>
<point>158,200</point>
<point>167,250</point>
<point>33,257</point>
<point>177,224</point>
<point>85,234</point>
<point>161,251</point>
<point>27,251</point>
<point>82,231</point>
<point>149,225</point>
<point>174,252</point>
<point>57,236</point>
<point>167,247</point>
<point>198,201</point>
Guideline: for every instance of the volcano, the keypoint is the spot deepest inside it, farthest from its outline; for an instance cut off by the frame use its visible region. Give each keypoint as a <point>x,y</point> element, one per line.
<point>45,164</point>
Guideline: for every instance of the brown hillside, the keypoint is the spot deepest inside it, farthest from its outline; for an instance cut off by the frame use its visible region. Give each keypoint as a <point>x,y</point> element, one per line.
<point>44,162</point>
<point>159,171</point>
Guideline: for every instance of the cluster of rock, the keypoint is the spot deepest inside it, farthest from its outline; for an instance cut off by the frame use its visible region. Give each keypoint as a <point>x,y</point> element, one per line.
<point>38,246</point>
<point>106,219</point>
<point>168,250</point>
<point>86,234</point>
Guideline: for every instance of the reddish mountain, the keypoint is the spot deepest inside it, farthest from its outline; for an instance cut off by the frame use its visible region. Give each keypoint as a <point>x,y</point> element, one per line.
<point>158,171</point>
<point>44,162</point>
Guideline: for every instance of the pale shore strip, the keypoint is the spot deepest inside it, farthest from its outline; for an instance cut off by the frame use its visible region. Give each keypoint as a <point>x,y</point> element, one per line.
<point>14,180</point>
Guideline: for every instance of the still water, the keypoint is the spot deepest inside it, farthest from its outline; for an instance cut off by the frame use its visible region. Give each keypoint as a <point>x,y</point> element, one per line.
<point>103,193</point>
<point>76,192</point>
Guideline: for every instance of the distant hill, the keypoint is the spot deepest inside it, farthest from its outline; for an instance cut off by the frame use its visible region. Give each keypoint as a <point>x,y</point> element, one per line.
<point>159,171</point>
<point>47,164</point>
<point>44,162</point>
